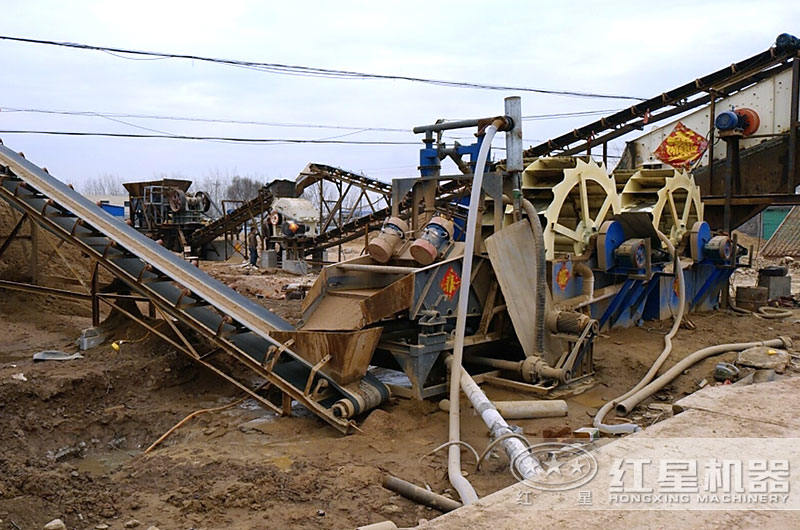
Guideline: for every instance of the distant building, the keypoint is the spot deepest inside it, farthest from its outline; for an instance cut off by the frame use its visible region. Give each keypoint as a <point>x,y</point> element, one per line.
<point>116,205</point>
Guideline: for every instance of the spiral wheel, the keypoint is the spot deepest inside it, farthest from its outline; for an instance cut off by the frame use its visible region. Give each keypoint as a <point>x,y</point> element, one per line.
<point>575,196</point>
<point>670,196</point>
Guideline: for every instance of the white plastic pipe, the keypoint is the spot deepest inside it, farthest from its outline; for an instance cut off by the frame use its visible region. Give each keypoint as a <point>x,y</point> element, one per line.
<point>632,427</point>
<point>526,409</point>
<point>540,408</point>
<point>461,484</point>
<point>526,464</point>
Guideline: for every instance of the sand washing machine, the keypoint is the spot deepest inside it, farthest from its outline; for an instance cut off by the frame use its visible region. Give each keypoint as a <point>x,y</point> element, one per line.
<point>564,249</point>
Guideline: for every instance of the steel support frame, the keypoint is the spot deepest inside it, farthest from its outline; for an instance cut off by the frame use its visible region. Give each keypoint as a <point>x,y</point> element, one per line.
<point>792,177</point>
<point>186,348</point>
<point>344,226</point>
<point>13,234</point>
<point>166,307</point>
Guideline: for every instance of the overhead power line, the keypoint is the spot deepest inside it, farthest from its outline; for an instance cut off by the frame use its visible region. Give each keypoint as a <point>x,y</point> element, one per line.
<point>561,115</point>
<point>89,113</point>
<point>357,128</point>
<point>309,71</point>
<point>217,138</point>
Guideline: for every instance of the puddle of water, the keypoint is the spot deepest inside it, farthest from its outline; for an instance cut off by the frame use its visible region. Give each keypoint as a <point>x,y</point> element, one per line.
<point>284,463</point>
<point>390,377</point>
<point>105,462</point>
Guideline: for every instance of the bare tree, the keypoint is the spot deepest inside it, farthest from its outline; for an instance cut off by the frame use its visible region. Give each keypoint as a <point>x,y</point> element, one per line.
<point>214,184</point>
<point>105,184</point>
<point>243,188</point>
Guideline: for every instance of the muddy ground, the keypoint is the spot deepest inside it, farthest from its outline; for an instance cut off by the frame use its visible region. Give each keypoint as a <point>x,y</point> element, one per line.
<point>73,433</point>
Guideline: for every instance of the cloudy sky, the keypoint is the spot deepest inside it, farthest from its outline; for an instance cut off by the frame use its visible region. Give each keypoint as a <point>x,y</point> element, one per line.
<point>637,48</point>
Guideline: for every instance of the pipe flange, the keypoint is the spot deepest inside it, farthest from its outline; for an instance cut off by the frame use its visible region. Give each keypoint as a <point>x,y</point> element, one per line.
<point>534,368</point>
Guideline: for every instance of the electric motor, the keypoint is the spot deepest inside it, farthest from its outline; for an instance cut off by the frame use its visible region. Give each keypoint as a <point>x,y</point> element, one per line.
<point>392,233</point>
<point>432,242</point>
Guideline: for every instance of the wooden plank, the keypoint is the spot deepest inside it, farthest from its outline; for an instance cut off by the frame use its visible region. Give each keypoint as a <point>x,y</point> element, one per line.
<point>511,251</point>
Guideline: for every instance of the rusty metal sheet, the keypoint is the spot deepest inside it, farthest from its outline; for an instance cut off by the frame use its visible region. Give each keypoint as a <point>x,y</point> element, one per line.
<point>350,351</point>
<point>390,300</point>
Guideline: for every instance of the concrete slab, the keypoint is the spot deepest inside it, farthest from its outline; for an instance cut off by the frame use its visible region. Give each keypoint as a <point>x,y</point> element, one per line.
<point>715,423</point>
<point>774,403</point>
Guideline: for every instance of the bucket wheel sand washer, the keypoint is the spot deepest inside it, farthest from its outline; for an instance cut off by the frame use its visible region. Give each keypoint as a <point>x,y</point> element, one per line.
<point>575,196</point>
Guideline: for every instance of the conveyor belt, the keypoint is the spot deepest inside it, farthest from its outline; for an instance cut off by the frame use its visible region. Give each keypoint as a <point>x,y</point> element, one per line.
<point>313,173</point>
<point>232,323</point>
<point>231,222</point>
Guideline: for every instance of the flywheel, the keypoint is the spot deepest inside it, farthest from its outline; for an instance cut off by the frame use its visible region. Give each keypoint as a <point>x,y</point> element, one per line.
<point>576,197</point>
<point>670,196</point>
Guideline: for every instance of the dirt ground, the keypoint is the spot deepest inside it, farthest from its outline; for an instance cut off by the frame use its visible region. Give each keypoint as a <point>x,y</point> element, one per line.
<point>73,433</point>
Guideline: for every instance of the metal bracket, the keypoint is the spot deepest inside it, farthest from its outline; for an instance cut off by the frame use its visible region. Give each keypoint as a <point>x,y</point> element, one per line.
<point>270,360</point>
<point>314,369</point>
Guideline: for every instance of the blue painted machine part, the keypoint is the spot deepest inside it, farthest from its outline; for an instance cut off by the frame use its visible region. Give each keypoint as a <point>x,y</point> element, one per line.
<point>632,253</point>
<point>471,150</point>
<point>727,120</point>
<point>428,159</point>
<point>614,237</point>
<point>459,230</point>
<point>116,211</point>
<point>429,156</point>
<point>429,164</point>
<point>616,302</point>
<point>391,227</point>
<point>563,284</point>
<point>703,237</point>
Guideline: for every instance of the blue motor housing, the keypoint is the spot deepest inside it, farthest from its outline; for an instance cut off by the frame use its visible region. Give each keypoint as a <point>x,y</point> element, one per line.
<point>727,121</point>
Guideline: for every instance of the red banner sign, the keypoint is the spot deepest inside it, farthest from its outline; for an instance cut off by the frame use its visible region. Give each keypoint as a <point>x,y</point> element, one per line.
<point>682,147</point>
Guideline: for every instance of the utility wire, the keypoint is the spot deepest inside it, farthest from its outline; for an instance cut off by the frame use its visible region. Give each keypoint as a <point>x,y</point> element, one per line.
<point>220,138</point>
<point>198,119</point>
<point>567,114</point>
<point>88,113</point>
<point>114,116</point>
<point>297,70</point>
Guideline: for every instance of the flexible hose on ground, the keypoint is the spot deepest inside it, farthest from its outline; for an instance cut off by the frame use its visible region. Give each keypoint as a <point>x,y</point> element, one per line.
<point>632,427</point>
<point>461,484</point>
<point>774,312</point>
<point>496,441</point>
<point>626,405</point>
<point>189,417</point>
<point>736,309</point>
